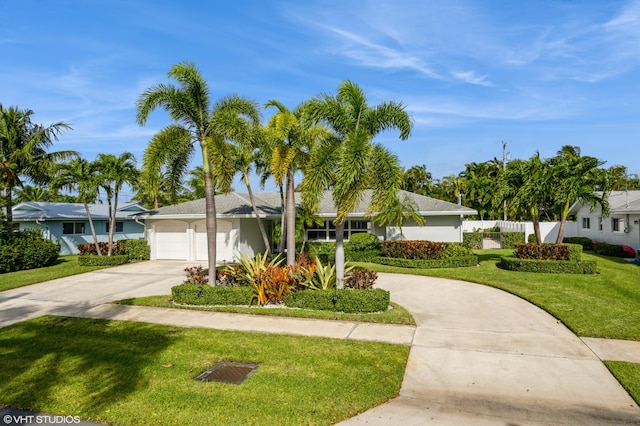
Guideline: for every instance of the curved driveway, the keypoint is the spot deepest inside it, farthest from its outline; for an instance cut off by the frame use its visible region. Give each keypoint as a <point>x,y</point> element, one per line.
<point>478,355</point>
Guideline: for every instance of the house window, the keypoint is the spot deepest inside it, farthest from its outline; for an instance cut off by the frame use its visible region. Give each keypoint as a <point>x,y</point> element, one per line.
<point>586,223</point>
<point>327,231</point>
<point>118,228</point>
<point>69,228</point>
<point>599,223</point>
<point>617,224</point>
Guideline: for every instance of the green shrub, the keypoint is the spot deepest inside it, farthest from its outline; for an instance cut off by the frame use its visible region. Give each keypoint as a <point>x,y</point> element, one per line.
<point>531,239</point>
<point>190,294</point>
<point>510,239</point>
<point>586,243</point>
<point>361,256</point>
<point>325,251</point>
<point>455,262</point>
<point>137,249</point>
<point>95,260</point>
<point>575,252</point>
<point>606,249</point>
<point>26,250</point>
<point>348,300</point>
<point>413,249</point>
<point>472,240</point>
<point>548,266</point>
<point>363,242</point>
<point>456,250</point>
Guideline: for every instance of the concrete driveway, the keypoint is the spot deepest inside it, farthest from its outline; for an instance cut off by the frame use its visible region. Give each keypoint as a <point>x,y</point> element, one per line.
<point>481,356</point>
<point>90,289</point>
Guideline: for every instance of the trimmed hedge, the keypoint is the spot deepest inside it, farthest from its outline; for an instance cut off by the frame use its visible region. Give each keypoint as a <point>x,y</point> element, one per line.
<point>361,256</point>
<point>326,252</point>
<point>454,262</point>
<point>190,294</point>
<point>363,242</point>
<point>137,249</point>
<point>586,243</point>
<point>95,260</point>
<point>510,239</point>
<point>414,249</point>
<point>607,249</point>
<point>26,250</point>
<point>472,240</point>
<point>546,251</point>
<point>549,266</point>
<point>347,300</point>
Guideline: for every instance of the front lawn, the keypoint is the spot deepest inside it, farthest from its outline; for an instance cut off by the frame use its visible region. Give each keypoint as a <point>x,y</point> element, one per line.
<point>64,267</point>
<point>605,305</point>
<point>121,372</point>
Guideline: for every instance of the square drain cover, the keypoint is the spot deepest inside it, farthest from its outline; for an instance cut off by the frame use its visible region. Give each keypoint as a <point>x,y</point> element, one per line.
<point>228,372</point>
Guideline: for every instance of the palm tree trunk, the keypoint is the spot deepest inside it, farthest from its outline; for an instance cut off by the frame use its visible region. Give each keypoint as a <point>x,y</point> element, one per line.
<point>563,222</point>
<point>265,239</point>
<point>93,229</point>
<point>536,229</point>
<point>283,223</point>
<point>291,220</point>
<point>110,221</point>
<point>340,255</point>
<point>9,206</point>
<point>210,216</point>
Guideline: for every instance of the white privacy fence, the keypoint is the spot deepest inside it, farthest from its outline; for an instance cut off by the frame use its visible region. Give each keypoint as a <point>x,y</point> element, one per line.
<point>548,230</point>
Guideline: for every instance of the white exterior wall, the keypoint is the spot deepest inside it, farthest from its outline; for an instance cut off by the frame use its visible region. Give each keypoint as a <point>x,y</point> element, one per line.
<point>629,234</point>
<point>249,238</point>
<point>435,228</point>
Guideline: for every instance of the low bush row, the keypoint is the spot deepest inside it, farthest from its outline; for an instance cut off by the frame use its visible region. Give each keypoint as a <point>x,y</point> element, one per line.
<point>348,300</point>
<point>586,243</point>
<point>95,260</point>
<point>133,249</point>
<point>548,266</point>
<point>571,252</point>
<point>456,262</point>
<point>414,249</point>
<point>606,249</point>
<point>26,250</point>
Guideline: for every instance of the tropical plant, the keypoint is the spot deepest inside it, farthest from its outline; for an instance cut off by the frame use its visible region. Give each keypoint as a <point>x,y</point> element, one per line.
<point>399,212</point>
<point>349,162</point>
<point>81,176</point>
<point>576,178</point>
<point>418,180</point>
<point>189,107</point>
<point>23,152</point>
<point>113,173</point>
<point>324,276</point>
<point>291,138</point>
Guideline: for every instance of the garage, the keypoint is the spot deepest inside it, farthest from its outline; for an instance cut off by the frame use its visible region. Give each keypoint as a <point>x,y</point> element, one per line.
<point>224,241</point>
<point>171,240</point>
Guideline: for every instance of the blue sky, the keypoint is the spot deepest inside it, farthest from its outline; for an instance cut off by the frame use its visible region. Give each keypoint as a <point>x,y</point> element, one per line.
<point>537,74</point>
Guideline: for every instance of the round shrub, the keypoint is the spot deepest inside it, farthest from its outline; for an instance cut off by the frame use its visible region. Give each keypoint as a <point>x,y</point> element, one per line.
<point>363,242</point>
<point>27,250</point>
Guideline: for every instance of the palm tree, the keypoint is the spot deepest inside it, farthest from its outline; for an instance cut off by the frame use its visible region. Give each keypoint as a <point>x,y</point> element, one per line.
<point>528,186</point>
<point>189,106</point>
<point>576,178</point>
<point>292,139</point>
<point>23,154</point>
<point>81,176</point>
<point>349,162</point>
<point>114,173</point>
<point>32,193</point>
<point>418,180</point>
<point>399,212</point>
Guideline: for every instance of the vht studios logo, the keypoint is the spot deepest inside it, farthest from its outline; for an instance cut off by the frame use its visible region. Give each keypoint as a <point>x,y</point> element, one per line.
<point>39,419</point>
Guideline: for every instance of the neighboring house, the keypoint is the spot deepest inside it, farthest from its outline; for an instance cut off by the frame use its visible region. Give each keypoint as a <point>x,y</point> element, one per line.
<point>622,226</point>
<point>67,223</point>
<point>179,231</point>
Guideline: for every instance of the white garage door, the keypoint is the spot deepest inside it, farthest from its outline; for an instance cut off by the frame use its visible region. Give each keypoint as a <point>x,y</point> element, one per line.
<point>224,243</point>
<point>172,241</point>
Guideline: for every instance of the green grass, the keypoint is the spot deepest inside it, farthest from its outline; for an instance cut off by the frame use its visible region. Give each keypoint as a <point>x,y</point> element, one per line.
<point>397,315</point>
<point>64,267</point>
<point>121,373</point>
<point>628,374</point>
<point>605,305</point>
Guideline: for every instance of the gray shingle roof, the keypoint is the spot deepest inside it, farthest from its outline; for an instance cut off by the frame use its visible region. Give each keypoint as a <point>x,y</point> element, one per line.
<point>268,204</point>
<point>620,202</point>
<point>33,210</point>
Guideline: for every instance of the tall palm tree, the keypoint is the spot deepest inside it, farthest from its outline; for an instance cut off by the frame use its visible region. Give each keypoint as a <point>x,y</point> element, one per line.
<point>349,162</point>
<point>576,178</point>
<point>292,140</point>
<point>23,151</point>
<point>189,106</point>
<point>114,173</point>
<point>81,176</point>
